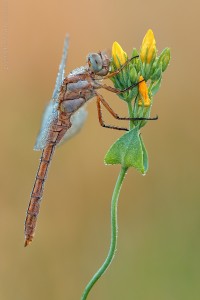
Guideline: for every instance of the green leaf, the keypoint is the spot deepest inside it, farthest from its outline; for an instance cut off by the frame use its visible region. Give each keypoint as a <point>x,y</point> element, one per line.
<point>157,74</point>
<point>156,86</point>
<point>129,151</point>
<point>145,156</point>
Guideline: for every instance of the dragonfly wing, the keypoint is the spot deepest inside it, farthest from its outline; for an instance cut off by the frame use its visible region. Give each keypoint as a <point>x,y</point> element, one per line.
<point>77,120</point>
<point>61,71</point>
<point>50,116</point>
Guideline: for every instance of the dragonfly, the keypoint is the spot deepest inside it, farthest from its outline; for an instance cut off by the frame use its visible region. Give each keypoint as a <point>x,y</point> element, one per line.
<point>65,115</point>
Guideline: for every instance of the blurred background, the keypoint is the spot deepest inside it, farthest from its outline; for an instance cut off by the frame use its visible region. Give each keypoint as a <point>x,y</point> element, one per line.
<point>158,255</point>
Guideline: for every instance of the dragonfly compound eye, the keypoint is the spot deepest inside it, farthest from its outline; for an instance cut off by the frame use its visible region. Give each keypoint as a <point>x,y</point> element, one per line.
<point>95,62</point>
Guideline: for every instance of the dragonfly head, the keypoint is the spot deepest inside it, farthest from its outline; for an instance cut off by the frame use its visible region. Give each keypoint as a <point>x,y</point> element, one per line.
<point>98,63</point>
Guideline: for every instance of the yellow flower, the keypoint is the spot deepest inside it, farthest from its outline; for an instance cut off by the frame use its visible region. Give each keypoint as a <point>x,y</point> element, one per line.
<point>143,90</point>
<point>148,48</point>
<point>118,54</point>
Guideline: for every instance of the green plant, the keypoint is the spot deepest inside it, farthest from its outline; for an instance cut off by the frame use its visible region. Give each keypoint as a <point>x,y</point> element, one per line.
<point>129,150</point>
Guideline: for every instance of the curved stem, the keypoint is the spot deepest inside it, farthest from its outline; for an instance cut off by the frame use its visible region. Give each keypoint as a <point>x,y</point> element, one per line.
<point>114,229</point>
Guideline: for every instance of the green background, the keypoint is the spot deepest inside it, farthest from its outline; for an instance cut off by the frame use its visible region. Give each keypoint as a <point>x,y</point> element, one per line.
<point>158,255</point>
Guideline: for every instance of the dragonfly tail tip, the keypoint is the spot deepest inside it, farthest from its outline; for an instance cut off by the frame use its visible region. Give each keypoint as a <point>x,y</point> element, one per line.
<point>27,242</point>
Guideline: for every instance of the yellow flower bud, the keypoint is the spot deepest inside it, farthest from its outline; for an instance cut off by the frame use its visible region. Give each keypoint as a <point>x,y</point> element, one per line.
<point>148,48</point>
<point>143,90</point>
<point>118,54</point>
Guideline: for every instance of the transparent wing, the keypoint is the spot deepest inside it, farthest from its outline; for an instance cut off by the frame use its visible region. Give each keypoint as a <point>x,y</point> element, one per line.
<point>51,113</point>
<point>49,118</point>
<point>61,71</point>
<point>77,120</point>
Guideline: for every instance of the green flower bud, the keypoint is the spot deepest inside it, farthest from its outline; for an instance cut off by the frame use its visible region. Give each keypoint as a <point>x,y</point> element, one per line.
<point>157,74</point>
<point>135,52</point>
<point>164,59</point>
<point>136,62</point>
<point>133,74</point>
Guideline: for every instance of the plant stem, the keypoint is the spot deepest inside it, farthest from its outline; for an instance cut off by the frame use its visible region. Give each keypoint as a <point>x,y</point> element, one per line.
<point>114,230</point>
<point>130,111</point>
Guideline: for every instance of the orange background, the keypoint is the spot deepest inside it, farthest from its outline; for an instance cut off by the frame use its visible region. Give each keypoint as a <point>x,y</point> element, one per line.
<point>159,214</point>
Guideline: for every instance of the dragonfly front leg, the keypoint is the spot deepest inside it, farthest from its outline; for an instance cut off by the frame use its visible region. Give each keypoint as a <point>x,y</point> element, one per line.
<point>121,68</point>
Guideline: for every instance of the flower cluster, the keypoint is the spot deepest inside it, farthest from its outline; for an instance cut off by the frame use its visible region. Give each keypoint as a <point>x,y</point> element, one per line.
<point>145,66</point>
<point>140,76</point>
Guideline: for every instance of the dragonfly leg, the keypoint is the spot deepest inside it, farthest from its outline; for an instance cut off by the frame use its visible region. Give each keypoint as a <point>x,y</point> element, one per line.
<point>100,100</point>
<point>114,114</point>
<point>117,91</point>
<point>121,68</point>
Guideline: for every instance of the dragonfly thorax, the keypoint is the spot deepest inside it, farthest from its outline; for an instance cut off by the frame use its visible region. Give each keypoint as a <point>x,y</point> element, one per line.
<point>98,63</point>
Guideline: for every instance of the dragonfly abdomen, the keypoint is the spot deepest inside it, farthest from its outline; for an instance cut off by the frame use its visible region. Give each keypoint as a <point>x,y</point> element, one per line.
<point>36,195</point>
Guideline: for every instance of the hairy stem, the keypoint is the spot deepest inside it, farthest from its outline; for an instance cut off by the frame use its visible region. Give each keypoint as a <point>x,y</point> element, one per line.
<point>114,229</point>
